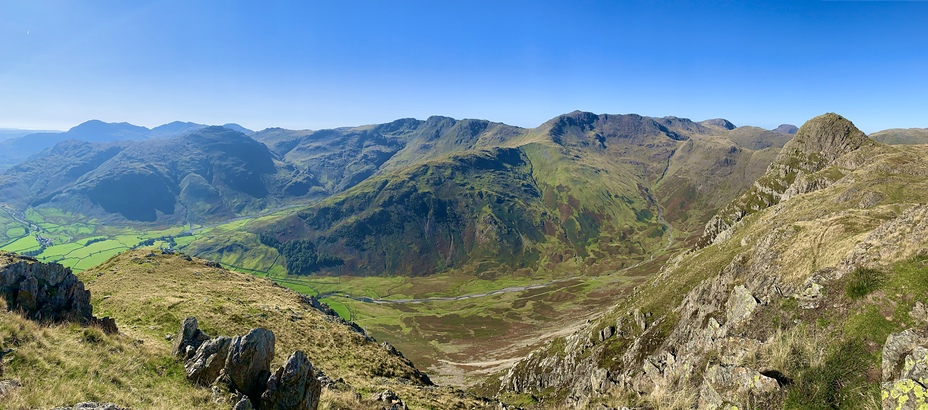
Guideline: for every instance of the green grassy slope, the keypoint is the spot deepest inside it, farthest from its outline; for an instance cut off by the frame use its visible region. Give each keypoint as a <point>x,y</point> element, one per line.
<point>859,240</point>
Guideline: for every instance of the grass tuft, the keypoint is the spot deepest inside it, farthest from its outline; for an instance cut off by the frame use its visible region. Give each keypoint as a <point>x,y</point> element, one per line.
<point>862,281</point>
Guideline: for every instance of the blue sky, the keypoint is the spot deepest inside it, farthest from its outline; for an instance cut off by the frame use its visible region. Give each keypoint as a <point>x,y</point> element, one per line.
<point>322,64</point>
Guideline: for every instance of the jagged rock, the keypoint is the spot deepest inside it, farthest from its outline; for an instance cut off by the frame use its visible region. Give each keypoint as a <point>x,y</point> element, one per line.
<point>599,380</point>
<point>249,361</point>
<point>905,371</point>
<point>733,350</point>
<point>606,333</point>
<point>204,367</point>
<point>243,404</point>
<point>741,305</point>
<point>293,386</point>
<point>45,292</point>
<point>904,394</point>
<point>732,384</point>
<point>811,293</point>
<point>870,199</point>
<point>897,346</point>
<point>108,325</point>
<point>7,387</point>
<point>389,398</point>
<point>920,313</point>
<point>189,338</point>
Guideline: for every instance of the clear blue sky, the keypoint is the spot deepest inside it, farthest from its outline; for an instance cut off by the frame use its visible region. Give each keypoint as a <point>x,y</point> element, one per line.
<point>321,64</point>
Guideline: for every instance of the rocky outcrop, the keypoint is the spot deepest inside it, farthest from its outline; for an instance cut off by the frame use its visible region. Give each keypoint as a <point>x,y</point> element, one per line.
<point>188,339</point>
<point>388,400</point>
<point>249,362</point>
<point>238,370</point>
<point>905,371</point>
<point>818,144</point>
<point>47,292</point>
<point>293,386</point>
<point>210,358</point>
<point>731,384</point>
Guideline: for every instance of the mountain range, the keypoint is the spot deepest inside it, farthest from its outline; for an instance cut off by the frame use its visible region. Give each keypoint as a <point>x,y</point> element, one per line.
<point>713,266</point>
<point>19,145</point>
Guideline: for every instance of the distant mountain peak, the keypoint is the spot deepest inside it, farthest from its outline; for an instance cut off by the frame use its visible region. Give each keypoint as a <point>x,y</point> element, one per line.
<point>239,128</point>
<point>719,122</point>
<point>828,136</point>
<point>101,126</point>
<point>787,129</point>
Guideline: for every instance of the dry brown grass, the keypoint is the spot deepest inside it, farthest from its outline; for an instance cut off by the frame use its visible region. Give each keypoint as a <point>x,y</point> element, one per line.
<point>65,364</point>
<point>149,295</point>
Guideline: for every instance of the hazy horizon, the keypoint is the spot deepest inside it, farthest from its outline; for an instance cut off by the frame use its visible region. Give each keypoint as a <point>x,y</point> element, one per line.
<point>317,66</point>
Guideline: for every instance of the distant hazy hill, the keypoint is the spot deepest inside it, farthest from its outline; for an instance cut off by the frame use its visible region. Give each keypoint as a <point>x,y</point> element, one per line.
<point>211,174</point>
<point>787,129</point>
<point>902,136</point>
<point>20,146</point>
<point>10,133</point>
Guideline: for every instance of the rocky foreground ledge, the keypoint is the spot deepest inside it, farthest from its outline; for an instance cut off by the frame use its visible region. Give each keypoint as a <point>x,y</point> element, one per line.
<point>47,292</point>
<point>238,370</point>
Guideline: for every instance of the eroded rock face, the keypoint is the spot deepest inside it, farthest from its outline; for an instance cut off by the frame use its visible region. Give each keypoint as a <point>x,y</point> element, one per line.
<point>44,291</point>
<point>730,384</point>
<point>188,339</point>
<point>47,292</point>
<point>204,367</point>
<point>293,386</point>
<point>249,362</point>
<point>818,144</point>
<point>238,370</point>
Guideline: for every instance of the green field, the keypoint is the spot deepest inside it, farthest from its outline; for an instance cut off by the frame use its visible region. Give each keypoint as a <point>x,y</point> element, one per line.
<point>78,245</point>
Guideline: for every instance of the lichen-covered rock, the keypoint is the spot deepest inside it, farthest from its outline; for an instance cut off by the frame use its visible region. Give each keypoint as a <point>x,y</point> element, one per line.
<point>904,394</point>
<point>204,367</point>
<point>895,350</point>
<point>188,339</point>
<point>390,399</point>
<point>905,371</point>
<point>731,384</point>
<point>741,305</point>
<point>293,386</point>
<point>249,361</point>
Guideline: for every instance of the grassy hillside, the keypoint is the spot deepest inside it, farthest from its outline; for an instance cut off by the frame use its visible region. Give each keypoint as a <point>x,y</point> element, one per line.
<point>148,295</point>
<point>209,175</point>
<point>902,136</point>
<point>805,291</point>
